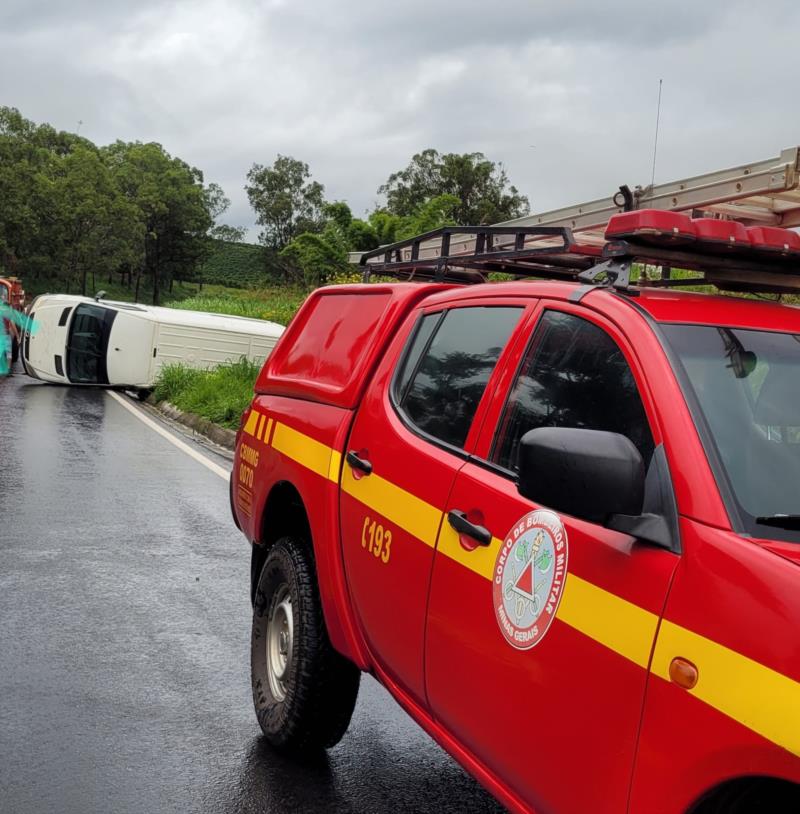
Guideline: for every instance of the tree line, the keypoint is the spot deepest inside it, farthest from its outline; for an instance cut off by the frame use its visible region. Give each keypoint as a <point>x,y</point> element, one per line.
<point>74,213</point>
<point>313,236</point>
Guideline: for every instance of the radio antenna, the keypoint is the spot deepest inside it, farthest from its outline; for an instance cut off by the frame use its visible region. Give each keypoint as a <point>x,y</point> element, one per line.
<point>655,144</point>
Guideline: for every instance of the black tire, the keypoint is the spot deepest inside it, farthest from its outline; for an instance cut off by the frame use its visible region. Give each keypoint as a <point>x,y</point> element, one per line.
<point>143,394</point>
<point>305,704</point>
<point>14,350</point>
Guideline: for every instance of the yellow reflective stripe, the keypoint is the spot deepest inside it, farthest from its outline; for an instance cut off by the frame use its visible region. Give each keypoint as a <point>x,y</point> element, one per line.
<point>301,448</point>
<point>481,560</point>
<point>395,504</point>
<point>335,466</point>
<point>616,623</point>
<point>252,421</point>
<point>746,691</point>
<point>260,431</point>
<point>610,620</point>
<point>267,431</point>
<point>751,693</point>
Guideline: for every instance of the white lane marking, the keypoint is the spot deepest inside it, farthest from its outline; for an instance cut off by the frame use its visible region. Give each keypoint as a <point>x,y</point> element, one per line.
<point>207,462</point>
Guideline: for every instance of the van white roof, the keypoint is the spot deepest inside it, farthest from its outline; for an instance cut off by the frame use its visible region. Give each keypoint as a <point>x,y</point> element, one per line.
<point>175,316</point>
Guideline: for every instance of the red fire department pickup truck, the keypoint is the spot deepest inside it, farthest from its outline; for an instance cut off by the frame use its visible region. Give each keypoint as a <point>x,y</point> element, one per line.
<point>558,519</point>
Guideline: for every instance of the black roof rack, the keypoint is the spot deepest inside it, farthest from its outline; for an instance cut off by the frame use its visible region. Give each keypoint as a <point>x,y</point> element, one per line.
<point>550,252</point>
<point>532,251</point>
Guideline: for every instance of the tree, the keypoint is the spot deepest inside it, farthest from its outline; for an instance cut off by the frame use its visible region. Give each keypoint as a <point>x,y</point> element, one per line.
<point>317,257</point>
<point>286,202</point>
<point>432,214</point>
<point>217,203</point>
<point>91,227</point>
<point>228,234</point>
<point>173,206</point>
<point>481,187</point>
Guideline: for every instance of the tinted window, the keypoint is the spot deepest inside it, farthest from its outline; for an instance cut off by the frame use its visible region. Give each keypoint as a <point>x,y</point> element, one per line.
<point>443,392</point>
<point>573,375</point>
<point>747,386</point>
<point>88,343</point>
<point>419,344</point>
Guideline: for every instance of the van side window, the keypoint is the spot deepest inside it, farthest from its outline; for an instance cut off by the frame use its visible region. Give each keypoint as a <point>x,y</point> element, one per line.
<point>448,365</point>
<point>573,375</point>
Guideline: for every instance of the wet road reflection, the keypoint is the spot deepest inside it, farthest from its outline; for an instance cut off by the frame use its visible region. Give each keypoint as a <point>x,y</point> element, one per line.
<point>124,642</point>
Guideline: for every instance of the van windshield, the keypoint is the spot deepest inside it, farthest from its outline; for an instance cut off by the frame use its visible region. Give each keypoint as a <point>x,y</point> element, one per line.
<point>747,388</point>
<point>88,343</point>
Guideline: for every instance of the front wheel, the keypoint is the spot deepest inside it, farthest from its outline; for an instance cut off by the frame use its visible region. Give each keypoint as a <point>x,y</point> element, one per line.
<point>304,691</point>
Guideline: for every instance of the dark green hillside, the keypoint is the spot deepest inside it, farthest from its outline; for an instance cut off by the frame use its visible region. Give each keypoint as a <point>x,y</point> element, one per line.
<point>239,265</point>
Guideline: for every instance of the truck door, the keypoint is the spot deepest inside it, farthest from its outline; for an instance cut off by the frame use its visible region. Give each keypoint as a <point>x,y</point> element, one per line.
<point>410,436</point>
<point>539,641</point>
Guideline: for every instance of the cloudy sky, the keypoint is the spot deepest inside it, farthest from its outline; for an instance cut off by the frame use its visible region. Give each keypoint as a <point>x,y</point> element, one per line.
<point>562,92</point>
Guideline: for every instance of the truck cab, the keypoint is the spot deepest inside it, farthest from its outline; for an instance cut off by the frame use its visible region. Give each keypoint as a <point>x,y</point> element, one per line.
<point>555,518</point>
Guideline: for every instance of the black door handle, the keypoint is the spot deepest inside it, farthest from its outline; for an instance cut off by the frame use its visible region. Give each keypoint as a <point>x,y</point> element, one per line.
<point>358,463</point>
<point>458,520</point>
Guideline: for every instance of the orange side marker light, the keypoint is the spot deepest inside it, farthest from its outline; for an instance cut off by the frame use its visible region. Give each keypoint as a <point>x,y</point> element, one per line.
<point>683,673</point>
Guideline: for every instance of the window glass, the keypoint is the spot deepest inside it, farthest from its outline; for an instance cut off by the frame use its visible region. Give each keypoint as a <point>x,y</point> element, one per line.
<point>448,383</point>
<point>418,345</point>
<point>573,375</point>
<point>88,343</point>
<point>747,386</point>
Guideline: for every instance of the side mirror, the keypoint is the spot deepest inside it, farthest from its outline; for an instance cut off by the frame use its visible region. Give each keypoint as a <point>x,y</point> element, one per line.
<point>589,474</point>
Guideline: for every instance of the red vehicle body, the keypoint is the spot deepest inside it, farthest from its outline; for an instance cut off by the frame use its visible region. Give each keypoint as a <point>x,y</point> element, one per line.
<point>657,677</point>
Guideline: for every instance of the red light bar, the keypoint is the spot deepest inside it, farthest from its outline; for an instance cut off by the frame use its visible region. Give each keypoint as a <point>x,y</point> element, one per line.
<point>651,226</point>
<point>728,233</point>
<point>771,239</point>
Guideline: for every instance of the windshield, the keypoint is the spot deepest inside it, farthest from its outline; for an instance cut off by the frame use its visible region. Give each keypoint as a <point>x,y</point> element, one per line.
<point>747,386</point>
<point>88,343</point>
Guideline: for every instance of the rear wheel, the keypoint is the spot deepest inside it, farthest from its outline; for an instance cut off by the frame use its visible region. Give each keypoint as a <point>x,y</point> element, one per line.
<point>304,692</point>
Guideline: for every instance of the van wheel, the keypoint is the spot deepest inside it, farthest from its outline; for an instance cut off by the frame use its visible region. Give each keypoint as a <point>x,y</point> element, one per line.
<point>304,692</point>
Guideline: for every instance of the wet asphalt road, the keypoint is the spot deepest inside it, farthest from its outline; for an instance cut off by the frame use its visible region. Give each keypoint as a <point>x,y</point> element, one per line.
<point>124,639</point>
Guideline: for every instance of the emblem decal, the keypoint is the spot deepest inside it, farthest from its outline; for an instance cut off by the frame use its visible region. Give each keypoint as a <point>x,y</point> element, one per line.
<point>529,576</point>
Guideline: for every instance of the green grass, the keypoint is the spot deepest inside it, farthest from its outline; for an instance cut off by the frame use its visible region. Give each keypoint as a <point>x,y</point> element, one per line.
<point>276,303</point>
<point>219,395</point>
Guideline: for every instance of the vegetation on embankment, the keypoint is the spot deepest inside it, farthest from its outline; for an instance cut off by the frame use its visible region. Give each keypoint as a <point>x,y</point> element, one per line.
<point>219,395</point>
<point>275,303</point>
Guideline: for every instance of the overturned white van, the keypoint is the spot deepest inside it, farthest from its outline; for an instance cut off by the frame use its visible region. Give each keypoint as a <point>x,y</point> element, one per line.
<point>79,340</point>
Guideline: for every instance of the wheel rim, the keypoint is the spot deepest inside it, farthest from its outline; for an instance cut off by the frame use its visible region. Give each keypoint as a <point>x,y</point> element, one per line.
<point>280,636</point>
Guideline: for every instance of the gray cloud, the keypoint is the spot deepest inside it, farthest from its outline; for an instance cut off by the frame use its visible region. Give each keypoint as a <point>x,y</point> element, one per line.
<point>563,93</point>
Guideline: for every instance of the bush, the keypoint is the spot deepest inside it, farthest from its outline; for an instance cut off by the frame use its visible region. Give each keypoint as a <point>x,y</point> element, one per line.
<point>219,395</point>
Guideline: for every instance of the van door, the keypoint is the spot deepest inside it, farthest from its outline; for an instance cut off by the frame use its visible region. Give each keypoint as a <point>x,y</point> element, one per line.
<point>539,642</point>
<point>130,349</point>
<point>411,435</point>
